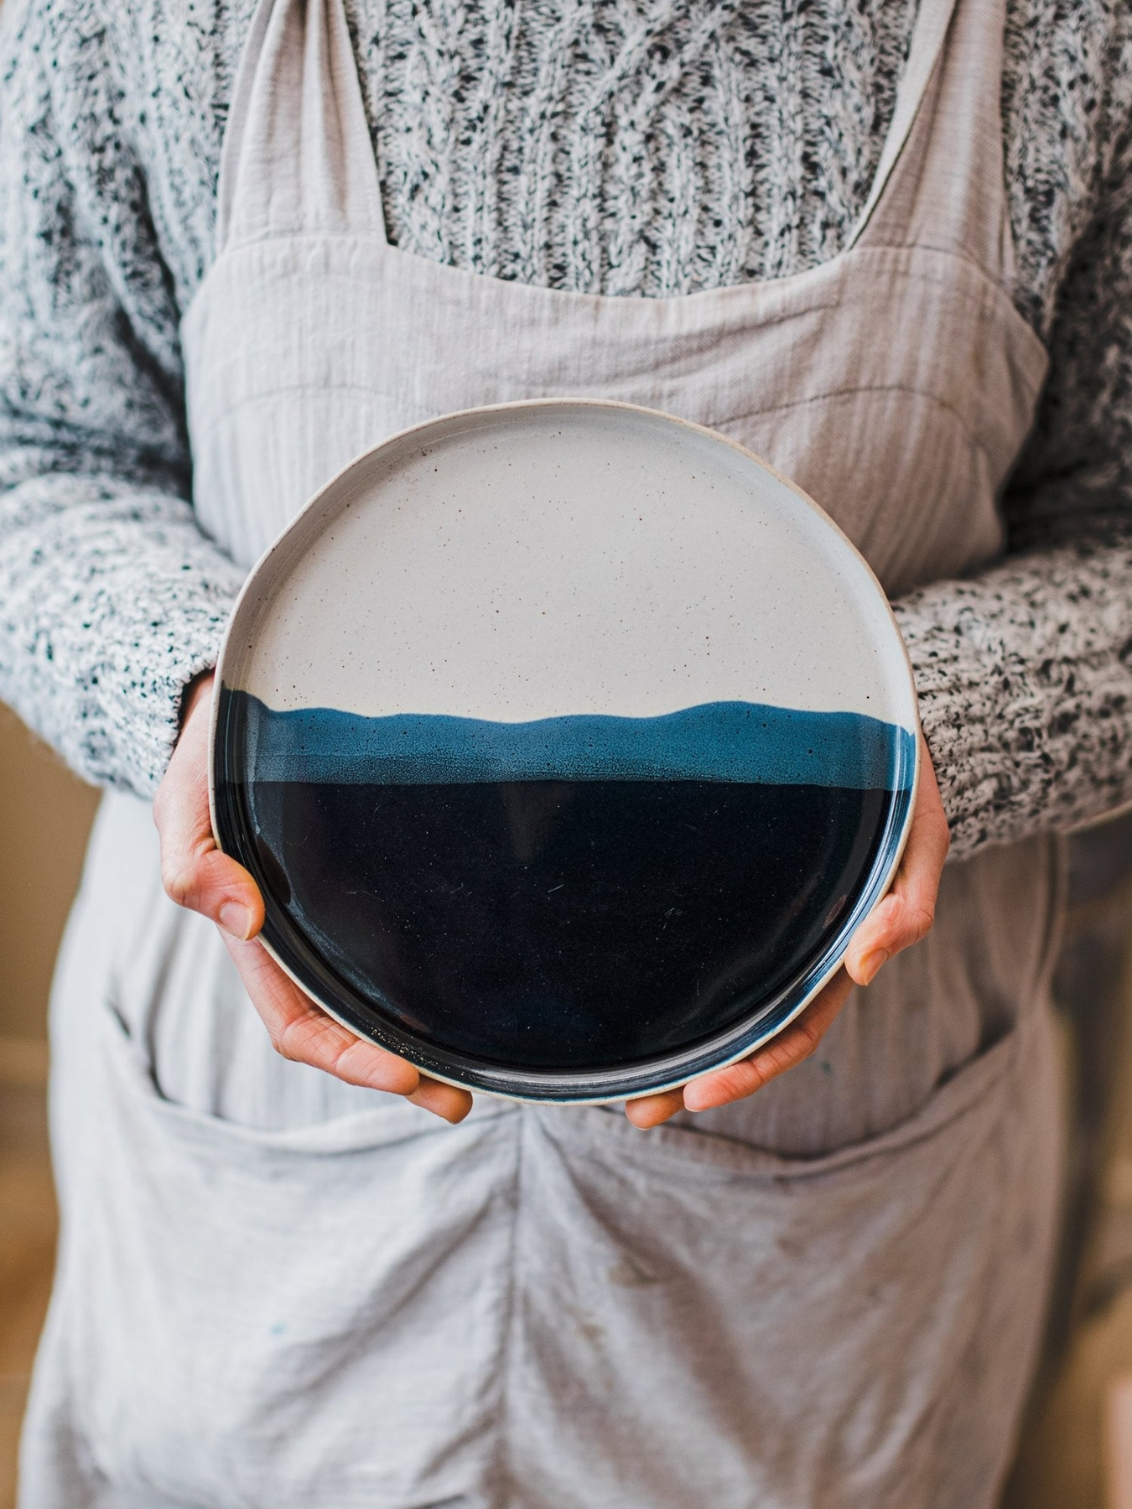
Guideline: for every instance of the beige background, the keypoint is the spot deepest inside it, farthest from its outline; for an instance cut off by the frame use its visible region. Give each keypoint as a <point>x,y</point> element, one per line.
<point>45,813</point>
<point>44,817</point>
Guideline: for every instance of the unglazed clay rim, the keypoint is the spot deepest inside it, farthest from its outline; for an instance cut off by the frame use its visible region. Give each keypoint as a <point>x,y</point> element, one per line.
<point>579,1087</point>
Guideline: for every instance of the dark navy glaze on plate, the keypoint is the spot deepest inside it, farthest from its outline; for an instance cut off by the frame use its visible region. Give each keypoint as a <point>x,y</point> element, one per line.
<point>574,908</point>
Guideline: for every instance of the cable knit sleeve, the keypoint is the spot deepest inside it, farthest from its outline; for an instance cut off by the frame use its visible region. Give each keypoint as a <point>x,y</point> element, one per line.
<point>1025,671</point>
<point>111,598</point>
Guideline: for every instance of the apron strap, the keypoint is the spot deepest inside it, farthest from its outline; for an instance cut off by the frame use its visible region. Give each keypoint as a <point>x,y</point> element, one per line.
<point>941,181</point>
<point>297,156</point>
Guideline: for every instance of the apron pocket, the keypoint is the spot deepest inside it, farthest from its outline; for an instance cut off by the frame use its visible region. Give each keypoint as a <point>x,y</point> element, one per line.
<point>849,1330</point>
<point>310,1316</point>
<point>685,1151</point>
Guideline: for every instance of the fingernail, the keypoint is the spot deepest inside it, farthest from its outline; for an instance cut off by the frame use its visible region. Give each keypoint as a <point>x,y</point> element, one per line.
<point>236,919</point>
<point>871,964</point>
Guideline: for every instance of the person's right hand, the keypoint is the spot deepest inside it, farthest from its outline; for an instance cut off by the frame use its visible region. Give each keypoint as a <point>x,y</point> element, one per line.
<point>198,876</point>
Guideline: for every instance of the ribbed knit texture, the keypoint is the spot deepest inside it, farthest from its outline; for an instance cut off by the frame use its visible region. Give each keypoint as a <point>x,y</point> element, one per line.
<point>595,145</point>
<point>622,149</point>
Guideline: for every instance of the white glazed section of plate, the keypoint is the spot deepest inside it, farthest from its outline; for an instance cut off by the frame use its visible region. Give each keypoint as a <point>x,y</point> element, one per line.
<point>573,558</point>
<point>565,557</point>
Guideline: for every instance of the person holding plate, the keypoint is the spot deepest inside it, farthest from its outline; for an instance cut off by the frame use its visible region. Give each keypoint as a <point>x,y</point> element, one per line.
<point>886,246</point>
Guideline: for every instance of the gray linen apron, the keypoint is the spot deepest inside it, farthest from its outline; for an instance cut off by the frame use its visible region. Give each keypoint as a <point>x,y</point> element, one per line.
<point>275,1290</point>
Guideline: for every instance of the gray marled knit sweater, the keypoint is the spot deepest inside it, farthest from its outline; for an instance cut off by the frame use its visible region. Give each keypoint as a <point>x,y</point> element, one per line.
<point>634,147</point>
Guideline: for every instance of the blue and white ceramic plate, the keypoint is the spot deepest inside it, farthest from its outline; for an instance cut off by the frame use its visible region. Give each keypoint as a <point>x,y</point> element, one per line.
<point>569,744</point>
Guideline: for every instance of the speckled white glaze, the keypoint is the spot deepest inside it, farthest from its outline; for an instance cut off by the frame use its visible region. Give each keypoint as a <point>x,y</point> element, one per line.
<point>564,557</point>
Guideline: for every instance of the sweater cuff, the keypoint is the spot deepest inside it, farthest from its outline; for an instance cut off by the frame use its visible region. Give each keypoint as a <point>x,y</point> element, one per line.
<point>152,669</point>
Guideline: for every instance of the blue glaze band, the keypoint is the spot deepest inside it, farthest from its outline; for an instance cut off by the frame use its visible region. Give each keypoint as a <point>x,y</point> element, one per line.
<point>716,741</point>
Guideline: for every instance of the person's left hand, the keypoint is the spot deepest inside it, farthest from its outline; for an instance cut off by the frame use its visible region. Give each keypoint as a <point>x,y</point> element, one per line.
<point>902,918</point>
<point>197,875</point>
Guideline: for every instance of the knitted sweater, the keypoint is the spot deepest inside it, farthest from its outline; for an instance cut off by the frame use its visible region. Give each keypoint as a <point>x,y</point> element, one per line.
<point>611,146</point>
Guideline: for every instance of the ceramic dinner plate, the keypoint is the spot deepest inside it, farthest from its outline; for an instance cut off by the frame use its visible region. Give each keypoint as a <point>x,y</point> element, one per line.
<point>568,743</point>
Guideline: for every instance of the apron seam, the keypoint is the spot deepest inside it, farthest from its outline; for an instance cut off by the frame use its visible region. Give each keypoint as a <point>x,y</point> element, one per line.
<point>831,269</point>
<point>853,390</point>
<point>500,1473</point>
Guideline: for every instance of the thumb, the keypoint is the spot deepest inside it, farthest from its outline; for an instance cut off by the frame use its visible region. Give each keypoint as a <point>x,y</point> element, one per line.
<point>194,872</point>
